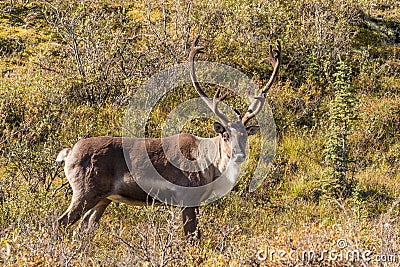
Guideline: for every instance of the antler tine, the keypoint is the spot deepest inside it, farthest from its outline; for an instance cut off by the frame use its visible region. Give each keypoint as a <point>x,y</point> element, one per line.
<point>216,100</point>
<point>194,49</point>
<point>212,104</point>
<point>275,58</point>
<point>217,97</point>
<point>254,108</point>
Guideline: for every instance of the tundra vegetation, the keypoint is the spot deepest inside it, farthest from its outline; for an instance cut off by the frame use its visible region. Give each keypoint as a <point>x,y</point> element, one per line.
<point>69,68</point>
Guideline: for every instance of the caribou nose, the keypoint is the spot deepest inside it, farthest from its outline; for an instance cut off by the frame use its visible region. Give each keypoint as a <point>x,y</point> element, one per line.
<point>239,157</point>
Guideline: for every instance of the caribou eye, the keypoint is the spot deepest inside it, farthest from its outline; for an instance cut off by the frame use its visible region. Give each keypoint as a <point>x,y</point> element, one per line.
<point>225,136</point>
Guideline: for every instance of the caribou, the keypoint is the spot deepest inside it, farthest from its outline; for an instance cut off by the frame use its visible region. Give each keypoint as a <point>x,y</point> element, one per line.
<point>98,171</point>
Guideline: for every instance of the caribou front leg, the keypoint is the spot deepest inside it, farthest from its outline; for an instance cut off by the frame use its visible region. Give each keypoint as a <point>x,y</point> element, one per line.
<point>190,222</point>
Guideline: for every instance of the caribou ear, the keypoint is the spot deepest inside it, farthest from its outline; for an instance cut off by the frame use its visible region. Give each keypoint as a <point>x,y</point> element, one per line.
<point>252,130</point>
<point>219,128</point>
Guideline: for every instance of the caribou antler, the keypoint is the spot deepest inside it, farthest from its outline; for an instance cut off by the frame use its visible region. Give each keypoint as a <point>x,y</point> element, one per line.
<point>255,107</point>
<point>211,103</point>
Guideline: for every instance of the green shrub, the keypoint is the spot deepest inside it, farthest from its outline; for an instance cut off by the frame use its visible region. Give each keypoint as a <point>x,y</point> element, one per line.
<point>342,117</point>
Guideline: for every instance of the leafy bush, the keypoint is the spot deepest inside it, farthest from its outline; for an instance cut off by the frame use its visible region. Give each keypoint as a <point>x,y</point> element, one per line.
<point>69,69</point>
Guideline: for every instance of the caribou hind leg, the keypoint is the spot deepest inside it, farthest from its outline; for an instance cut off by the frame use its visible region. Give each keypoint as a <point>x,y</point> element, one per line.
<point>92,216</point>
<point>76,209</point>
